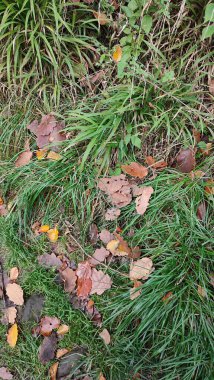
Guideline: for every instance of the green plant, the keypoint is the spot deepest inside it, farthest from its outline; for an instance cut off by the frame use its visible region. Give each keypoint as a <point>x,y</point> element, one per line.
<point>208,30</point>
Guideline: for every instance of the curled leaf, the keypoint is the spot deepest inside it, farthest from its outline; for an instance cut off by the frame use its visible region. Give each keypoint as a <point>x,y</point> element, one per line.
<point>201,211</point>
<point>12,335</point>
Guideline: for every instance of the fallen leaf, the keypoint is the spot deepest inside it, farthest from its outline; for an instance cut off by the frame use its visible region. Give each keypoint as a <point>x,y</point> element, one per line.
<point>142,201</point>
<point>69,277</point>
<point>101,377</point>
<point>100,282</point>
<point>141,269</point>
<point>12,335</point>
<point>196,174</point>
<point>15,293</point>
<point>123,247</point>
<point>84,270</point>
<point>135,252</point>
<point>48,131</point>
<point>53,371</point>
<point>135,170</point>
<point>23,159</point>
<point>5,374</point>
<point>70,362</point>
<point>186,160</point>
<point>1,203</point>
<point>202,291</point>
<point>99,256</point>
<point>48,324</point>
<point>49,260</point>
<point>211,86</point>
<point>3,210</point>
<point>9,315</point>
<point>106,236</point>
<point>112,246</point>
<point>167,297</point>
<point>201,211</point>
<point>209,188</point>
<point>105,336</point>
<point>44,228</point>
<point>54,156</point>
<point>93,233</point>
<point>197,135</point>
<point>63,329</point>
<point>53,234</point>
<point>136,290</point>
<point>207,151</point>
<point>101,18</point>
<point>117,54</point>
<point>41,153</point>
<point>47,348</point>
<point>118,190</point>
<point>33,308</point>
<point>112,213</point>
<point>150,160</point>
<point>14,273</point>
<point>61,352</point>
<point>33,126</point>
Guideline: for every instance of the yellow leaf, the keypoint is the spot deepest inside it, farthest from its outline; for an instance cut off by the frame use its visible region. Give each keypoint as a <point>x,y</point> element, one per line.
<point>101,18</point>
<point>44,228</point>
<point>117,55</point>
<point>12,335</point>
<point>53,235</point>
<point>63,329</point>
<point>54,156</point>
<point>112,246</point>
<point>40,154</point>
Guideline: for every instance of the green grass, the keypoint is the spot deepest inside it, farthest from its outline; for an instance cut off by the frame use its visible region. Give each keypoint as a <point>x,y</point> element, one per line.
<point>150,105</point>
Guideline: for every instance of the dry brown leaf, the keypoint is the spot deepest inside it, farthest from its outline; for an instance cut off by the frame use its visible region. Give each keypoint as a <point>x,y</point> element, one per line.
<point>63,329</point>
<point>49,260</point>
<point>118,190</point>
<point>196,174</point>
<point>48,348</point>
<point>44,228</point>
<point>53,234</point>
<point>83,287</point>
<point>167,297</point>
<point>141,269</point>
<point>12,335</point>
<point>14,273</point>
<point>201,211</point>
<point>105,336</point>
<point>1,201</point>
<point>135,170</point>
<point>112,214</point>
<point>101,18</point>
<point>99,256</point>
<point>23,159</point>
<point>197,135</point>
<point>207,151</point>
<point>106,236</point>
<point>5,374</point>
<point>142,201</point>
<point>136,290</point>
<point>209,188</point>
<point>61,352</point>
<point>83,270</point>
<point>69,278</point>
<point>93,233</point>
<point>3,210</point>
<point>53,371</point>
<point>117,54</point>
<point>100,282</point>
<point>48,324</point>
<point>10,315</point>
<point>54,156</point>
<point>186,160</point>
<point>15,293</point>
<point>48,131</point>
<point>211,86</point>
<point>135,252</point>
<point>202,291</point>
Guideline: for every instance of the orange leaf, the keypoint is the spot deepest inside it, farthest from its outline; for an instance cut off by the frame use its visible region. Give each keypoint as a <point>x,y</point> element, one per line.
<point>101,18</point>
<point>167,297</point>
<point>101,377</point>
<point>1,201</point>
<point>14,273</point>
<point>61,352</point>
<point>54,156</point>
<point>63,329</point>
<point>44,228</point>
<point>53,371</point>
<point>53,234</point>
<point>135,170</point>
<point>12,335</point>
<point>210,188</point>
<point>40,154</point>
<point>117,55</point>
<point>23,159</point>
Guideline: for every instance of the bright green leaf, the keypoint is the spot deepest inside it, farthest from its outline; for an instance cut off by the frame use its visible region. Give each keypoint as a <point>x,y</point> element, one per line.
<point>136,141</point>
<point>207,32</point>
<point>209,13</point>
<point>147,23</point>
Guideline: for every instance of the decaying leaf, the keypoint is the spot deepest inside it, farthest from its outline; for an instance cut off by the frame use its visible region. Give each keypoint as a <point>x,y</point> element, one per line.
<point>106,236</point>
<point>61,352</point>
<point>197,135</point>
<point>12,335</point>
<point>93,233</point>
<point>33,308</point>
<point>54,156</point>
<point>100,282</point>
<point>84,270</point>
<point>112,214</point>
<point>202,291</point>
<point>112,246</point>
<point>135,170</point>
<point>105,336</point>
<point>48,324</point>
<point>48,348</point>
<point>99,256</point>
<point>23,159</point>
<point>207,151</point>
<point>118,190</point>
<point>136,290</point>
<point>83,286</point>
<point>5,374</point>
<point>69,277</point>
<point>142,201</point>
<point>49,260</point>
<point>44,228</point>
<point>141,269</point>
<point>101,18</point>
<point>209,188</point>
<point>14,273</point>
<point>196,174</point>
<point>53,371</point>
<point>15,293</point>
<point>186,160</point>
<point>123,247</point>
<point>63,329</point>
<point>117,54</point>
<point>9,315</point>
<point>201,211</point>
<point>53,234</point>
